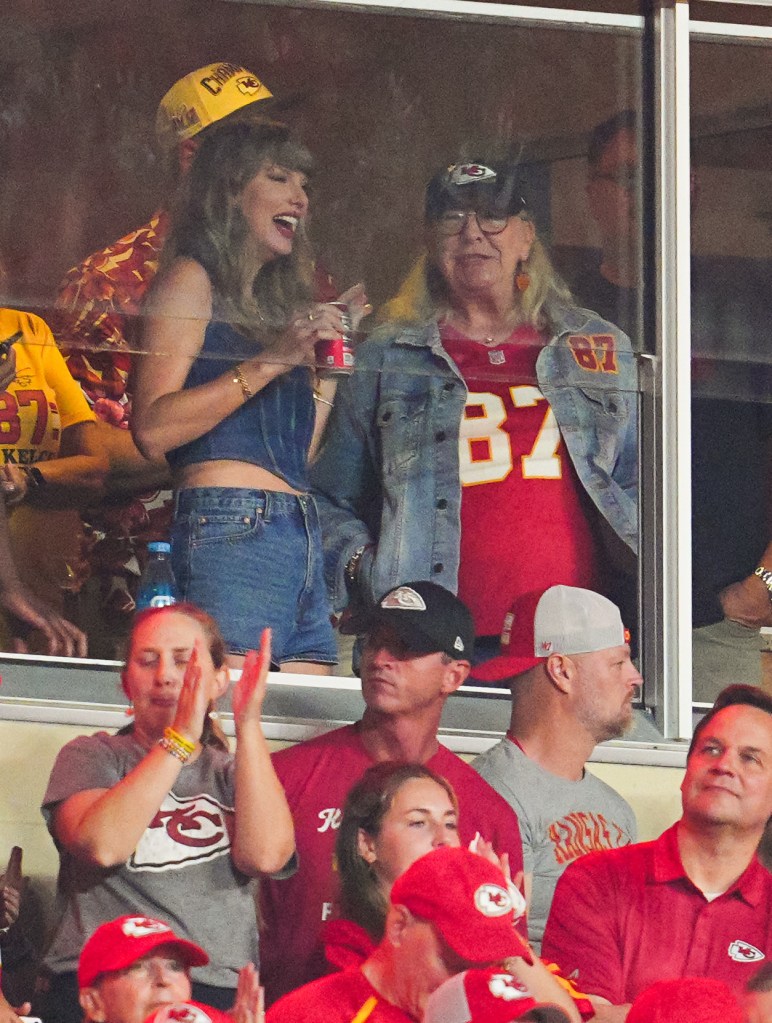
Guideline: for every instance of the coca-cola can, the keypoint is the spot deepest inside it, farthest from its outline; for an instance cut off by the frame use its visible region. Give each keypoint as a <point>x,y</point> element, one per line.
<point>335,356</point>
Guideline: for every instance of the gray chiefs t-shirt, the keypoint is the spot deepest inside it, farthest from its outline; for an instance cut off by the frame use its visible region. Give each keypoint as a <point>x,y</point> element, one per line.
<point>560,820</point>
<point>181,871</point>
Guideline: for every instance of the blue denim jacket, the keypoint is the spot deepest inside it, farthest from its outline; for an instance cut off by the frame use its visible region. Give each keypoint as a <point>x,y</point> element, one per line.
<point>388,471</point>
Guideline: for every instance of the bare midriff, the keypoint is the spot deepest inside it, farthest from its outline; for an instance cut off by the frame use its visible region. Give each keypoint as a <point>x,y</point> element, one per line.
<point>228,473</point>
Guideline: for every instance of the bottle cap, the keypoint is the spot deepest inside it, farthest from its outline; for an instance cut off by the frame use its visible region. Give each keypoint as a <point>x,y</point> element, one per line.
<point>159,547</point>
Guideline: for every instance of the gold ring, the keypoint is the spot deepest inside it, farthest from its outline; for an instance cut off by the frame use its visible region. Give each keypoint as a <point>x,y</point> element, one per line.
<point>311,317</point>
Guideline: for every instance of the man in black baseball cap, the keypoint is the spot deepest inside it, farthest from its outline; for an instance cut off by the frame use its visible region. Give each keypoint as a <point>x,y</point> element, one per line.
<point>417,646</point>
<point>425,617</point>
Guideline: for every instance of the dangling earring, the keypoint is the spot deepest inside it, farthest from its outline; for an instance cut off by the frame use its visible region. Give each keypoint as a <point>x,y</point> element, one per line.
<point>522,277</point>
<point>129,712</point>
<point>213,715</point>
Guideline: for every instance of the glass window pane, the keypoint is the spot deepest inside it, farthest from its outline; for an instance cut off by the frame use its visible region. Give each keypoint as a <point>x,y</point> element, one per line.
<point>384,102</point>
<point>732,369</point>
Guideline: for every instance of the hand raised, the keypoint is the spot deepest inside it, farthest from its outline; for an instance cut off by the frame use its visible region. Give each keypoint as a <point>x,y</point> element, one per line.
<point>249,692</point>
<point>249,1006</point>
<point>194,698</point>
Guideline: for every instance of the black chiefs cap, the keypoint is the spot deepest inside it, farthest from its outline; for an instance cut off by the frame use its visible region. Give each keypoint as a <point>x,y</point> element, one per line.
<point>426,617</point>
<point>494,187</point>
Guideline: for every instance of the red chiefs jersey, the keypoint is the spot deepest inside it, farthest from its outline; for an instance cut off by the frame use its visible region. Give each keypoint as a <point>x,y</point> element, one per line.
<point>523,522</point>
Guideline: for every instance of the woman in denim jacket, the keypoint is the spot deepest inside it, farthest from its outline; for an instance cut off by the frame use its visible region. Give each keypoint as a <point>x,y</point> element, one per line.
<point>226,392</point>
<point>487,440</point>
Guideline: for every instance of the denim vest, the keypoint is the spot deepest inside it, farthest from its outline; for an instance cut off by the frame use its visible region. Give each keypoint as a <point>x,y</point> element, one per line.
<point>273,429</point>
<point>388,472</point>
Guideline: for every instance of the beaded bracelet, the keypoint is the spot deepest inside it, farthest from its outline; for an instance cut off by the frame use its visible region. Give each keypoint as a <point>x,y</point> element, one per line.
<point>177,745</point>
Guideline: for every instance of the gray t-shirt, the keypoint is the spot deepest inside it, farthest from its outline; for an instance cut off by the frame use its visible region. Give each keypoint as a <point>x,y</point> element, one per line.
<point>181,871</point>
<point>560,820</point>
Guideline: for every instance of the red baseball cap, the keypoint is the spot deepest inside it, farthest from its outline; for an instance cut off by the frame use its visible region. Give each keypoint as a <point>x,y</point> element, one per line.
<point>189,1012</point>
<point>119,943</point>
<point>517,646</point>
<point>559,620</point>
<point>688,1000</point>
<point>465,896</point>
<point>486,996</point>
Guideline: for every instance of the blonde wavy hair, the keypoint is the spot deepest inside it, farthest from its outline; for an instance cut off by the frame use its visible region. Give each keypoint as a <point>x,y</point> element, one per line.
<point>208,226</point>
<point>424,296</point>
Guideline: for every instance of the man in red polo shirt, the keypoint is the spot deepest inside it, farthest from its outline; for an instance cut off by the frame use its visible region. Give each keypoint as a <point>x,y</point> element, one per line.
<point>695,902</point>
<point>450,910</point>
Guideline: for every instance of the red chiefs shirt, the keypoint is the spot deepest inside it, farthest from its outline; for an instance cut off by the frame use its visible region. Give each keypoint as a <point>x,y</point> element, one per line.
<point>523,523</point>
<point>623,919</point>
<point>317,776</point>
<point>346,997</point>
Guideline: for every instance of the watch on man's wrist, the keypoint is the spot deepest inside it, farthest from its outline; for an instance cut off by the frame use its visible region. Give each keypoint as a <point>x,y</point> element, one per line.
<point>352,567</point>
<point>36,481</point>
<point>765,574</point>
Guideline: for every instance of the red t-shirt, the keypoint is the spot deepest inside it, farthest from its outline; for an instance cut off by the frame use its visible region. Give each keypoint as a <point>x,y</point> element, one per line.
<point>346,997</point>
<point>523,522</point>
<point>623,919</point>
<point>317,776</point>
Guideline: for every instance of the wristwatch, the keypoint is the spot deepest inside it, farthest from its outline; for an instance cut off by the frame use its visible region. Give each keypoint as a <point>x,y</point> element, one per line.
<point>35,478</point>
<point>766,577</point>
<point>352,567</point>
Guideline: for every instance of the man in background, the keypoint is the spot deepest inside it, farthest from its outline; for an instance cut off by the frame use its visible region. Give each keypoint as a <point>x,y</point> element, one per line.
<point>731,418</point>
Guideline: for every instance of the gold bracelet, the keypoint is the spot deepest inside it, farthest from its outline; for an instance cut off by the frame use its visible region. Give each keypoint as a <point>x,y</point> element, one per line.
<point>174,736</point>
<point>241,380</point>
<point>324,401</point>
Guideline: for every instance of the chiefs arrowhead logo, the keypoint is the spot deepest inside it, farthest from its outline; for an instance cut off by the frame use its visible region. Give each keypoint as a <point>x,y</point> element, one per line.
<point>493,900</point>
<point>404,598</point>
<point>744,952</point>
<point>504,986</point>
<point>470,173</point>
<point>141,926</point>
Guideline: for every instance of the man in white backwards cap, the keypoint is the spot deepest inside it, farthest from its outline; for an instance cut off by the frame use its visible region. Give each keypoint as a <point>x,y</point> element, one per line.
<point>567,655</point>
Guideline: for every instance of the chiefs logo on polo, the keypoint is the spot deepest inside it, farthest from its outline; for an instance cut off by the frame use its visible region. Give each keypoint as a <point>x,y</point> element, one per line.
<point>493,900</point>
<point>141,926</point>
<point>744,952</point>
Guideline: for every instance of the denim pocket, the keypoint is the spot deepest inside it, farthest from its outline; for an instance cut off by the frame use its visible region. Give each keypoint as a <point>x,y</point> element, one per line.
<point>223,527</point>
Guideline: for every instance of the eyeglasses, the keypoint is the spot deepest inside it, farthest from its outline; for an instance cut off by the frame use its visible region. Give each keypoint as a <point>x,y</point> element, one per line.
<point>453,222</point>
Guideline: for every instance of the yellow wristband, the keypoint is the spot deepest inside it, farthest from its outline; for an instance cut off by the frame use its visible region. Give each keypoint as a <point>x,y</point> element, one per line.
<point>179,740</point>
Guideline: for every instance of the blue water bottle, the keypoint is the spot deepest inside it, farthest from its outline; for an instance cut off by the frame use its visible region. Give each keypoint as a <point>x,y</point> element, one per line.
<point>157,587</point>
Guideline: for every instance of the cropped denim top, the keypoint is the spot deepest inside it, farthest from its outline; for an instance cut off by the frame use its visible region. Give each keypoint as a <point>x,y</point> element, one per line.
<point>273,429</point>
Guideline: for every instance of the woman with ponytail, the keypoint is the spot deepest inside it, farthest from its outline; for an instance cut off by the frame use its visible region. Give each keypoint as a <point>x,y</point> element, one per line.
<point>161,820</point>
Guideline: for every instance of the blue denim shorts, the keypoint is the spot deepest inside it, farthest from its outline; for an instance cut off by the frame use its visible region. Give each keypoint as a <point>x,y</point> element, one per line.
<point>253,558</point>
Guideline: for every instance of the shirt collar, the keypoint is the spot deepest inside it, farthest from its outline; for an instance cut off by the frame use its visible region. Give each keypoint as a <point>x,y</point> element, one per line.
<point>667,866</point>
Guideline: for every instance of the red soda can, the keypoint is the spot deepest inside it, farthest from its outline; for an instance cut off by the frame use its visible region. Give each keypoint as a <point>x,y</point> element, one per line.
<point>335,356</point>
